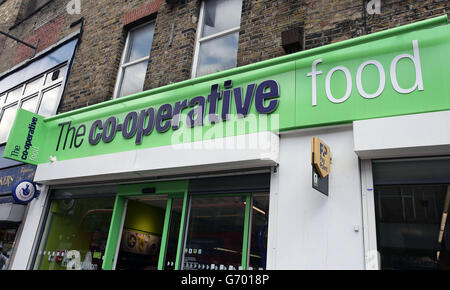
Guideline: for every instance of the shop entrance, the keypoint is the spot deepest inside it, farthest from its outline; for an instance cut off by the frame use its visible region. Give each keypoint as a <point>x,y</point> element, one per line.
<point>212,224</point>
<point>142,233</point>
<point>145,231</point>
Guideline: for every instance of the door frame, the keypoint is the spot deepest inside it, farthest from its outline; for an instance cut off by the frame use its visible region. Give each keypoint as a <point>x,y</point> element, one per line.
<point>371,255</point>
<point>173,189</point>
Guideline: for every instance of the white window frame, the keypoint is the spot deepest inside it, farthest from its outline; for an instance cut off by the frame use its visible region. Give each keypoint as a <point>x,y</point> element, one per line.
<point>123,65</point>
<point>43,88</point>
<point>371,254</point>
<point>199,39</point>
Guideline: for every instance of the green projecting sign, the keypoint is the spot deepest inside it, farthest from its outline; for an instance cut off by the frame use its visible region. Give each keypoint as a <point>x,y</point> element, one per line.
<point>396,72</point>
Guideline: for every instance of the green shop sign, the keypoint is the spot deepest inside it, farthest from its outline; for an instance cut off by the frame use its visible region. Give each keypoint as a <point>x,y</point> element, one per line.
<point>396,72</point>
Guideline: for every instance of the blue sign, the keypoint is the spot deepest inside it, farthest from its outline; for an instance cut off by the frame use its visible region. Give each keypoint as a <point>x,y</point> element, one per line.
<point>25,191</point>
<point>9,177</point>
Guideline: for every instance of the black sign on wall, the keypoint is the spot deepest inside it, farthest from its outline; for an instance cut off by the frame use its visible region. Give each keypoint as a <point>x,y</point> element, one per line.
<point>318,183</point>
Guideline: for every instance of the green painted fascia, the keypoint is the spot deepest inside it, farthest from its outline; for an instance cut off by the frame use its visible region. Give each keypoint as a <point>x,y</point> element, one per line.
<point>429,23</point>
<point>294,109</point>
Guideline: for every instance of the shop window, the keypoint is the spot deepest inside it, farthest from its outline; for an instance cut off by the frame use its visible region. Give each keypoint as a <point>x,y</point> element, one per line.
<point>7,239</point>
<point>197,231</point>
<point>411,214</point>
<point>215,233</point>
<point>135,58</point>
<point>40,95</point>
<point>75,233</point>
<point>218,36</point>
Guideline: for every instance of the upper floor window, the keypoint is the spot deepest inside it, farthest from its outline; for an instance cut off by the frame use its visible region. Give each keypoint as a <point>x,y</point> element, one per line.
<point>40,95</point>
<point>218,36</point>
<point>135,58</point>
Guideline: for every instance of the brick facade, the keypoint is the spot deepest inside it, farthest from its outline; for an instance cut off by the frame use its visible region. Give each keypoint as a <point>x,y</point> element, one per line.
<point>44,37</point>
<point>141,12</point>
<point>96,64</point>
<point>171,63</point>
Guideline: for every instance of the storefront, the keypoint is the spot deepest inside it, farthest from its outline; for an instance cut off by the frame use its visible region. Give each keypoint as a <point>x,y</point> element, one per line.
<point>215,172</point>
<point>139,226</point>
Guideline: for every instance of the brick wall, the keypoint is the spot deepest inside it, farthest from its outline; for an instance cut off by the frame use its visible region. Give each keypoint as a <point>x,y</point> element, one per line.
<point>395,13</point>
<point>44,36</point>
<point>172,62</point>
<point>261,25</point>
<point>141,12</point>
<point>323,22</point>
<point>8,14</point>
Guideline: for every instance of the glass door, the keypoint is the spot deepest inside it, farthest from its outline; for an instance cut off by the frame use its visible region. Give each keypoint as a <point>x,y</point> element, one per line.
<point>146,228</point>
<point>160,226</point>
<point>142,231</point>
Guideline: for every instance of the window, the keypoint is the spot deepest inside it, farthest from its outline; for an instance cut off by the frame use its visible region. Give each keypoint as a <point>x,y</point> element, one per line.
<point>227,232</point>
<point>135,61</point>
<point>40,95</point>
<point>218,36</point>
<point>215,234</point>
<point>7,240</point>
<point>412,198</point>
<point>76,229</point>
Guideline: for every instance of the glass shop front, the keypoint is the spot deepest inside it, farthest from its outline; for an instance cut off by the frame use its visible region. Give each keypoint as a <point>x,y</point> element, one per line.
<point>210,223</point>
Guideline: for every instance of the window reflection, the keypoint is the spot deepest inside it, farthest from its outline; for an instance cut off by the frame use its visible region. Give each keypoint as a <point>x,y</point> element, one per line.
<point>221,15</point>
<point>135,61</point>
<point>7,238</point>
<point>6,122</point>
<point>218,54</point>
<point>133,79</point>
<point>140,42</point>
<point>30,104</point>
<point>33,86</point>
<point>217,45</point>
<point>44,90</point>
<point>49,102</point>
<point>14,95</point>
<point>215,234</point>
<point>75,234</point>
